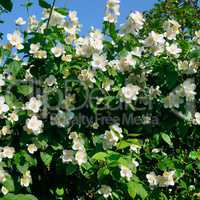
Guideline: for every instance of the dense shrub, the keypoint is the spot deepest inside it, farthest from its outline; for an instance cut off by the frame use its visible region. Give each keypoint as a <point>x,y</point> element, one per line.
<point>111,115</point>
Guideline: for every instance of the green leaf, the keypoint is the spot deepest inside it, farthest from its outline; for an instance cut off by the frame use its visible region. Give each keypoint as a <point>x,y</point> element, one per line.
<point>136,188</point>
<point>132,190</point>
<point>9,184</point>
<point>25,89</point>
<point>102,172</point>
<point>6,4</point>
<point>71,169</point>
<point>100,156</point>
<point>44,4</point>
<point>194,155</point>
<point>60,191</point>
<point>15,67</point>
<point>62,11</point>
<point>19,197</point>
<point>167,139</point>
<point>46,158</point>
<point>123,144</point>
<point>141,191</point>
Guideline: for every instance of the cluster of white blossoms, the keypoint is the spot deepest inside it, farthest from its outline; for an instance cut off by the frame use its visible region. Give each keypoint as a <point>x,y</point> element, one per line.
<point>26,179</point>
<point>112,136</point>
<point>112,11</point>
<point>172,29</point>
<point>166,180</point>
<point>6,152</point>
<point>89,45</point>
<point>35,49</point>
<point>129,93</point>
<point>73,27</point>
<point>188,67</point>
<point>134,23</point>
<point>87,76</point>
<point>176,98</point>
<point>123,71</point>
<point>78,153</point>
<point>56,19</point>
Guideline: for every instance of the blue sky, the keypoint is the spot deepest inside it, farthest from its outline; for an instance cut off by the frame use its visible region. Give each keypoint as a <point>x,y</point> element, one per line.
<point>90,12</point>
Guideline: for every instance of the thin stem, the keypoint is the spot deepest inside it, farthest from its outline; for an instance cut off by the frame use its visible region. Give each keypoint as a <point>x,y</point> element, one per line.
<point>52,7</point>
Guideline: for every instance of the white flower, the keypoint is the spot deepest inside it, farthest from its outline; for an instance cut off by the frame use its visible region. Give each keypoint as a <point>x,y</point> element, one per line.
<point>34,105</point>
<point>152,179</point>
<point>189,89</point>
<point>112,11</point>
<point>154,39</point>
<point>73,16</point>
<point>135,148</point>
<point>117,130</point>
<point>111,137</point>
<point>129,93</point>
<point>197,118</point>
<point>172,28</point>
<point>5,130</point>
<point>32,148</point>
<point>58,50</point>
<point>15,39</point>
<point>20,21</point>
<point>34,124</point>
<point>89,45</point>
<point>107,84</point>
<point>136,164</point>
<point>62,119</point>
<point>156,42</point>
<point>68,156</point>
<point>56,19</point>
<point>125,172</point>
<point>134,23</point>
<point>51,80</point>
<point>8,152</point>
<point>88,76</point>
<point>26,179</point>
<point>66,58</point>
<point>173,49</point>
<point>13,117</point>
<point>166,179</point>
<point>4,190</point>
<point>34,48</point>
<point>99,62</point>
<point>105,190</point>
<point>173,100</point>
<point>137,51</point>
<point>81,157</point>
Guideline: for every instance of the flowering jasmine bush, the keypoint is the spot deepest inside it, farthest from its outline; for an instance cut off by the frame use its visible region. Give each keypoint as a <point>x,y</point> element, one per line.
<point>112,115</point>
